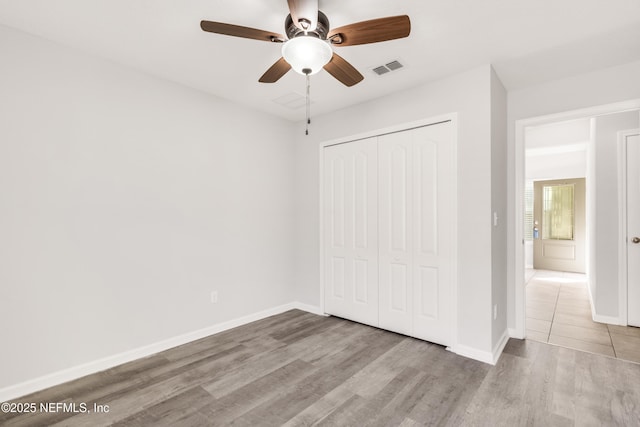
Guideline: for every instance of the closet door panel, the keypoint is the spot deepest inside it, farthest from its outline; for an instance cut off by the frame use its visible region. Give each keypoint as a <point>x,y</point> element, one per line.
<point>361,281</point>
<point>398,288</point>
<point>427,294</point>
<point>335,263</point>
<point>350,231</point>
<point>337,279</point>
<point>395,225</point>
<point>432,221</point>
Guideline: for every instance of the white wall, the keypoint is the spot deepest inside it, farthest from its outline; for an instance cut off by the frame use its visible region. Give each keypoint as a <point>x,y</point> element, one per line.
<point>557,150</point>
<point>124,201</point>
<point>468,94</point>
<point>499,207</point>
<point>557,165</point>
<point>601,87</point>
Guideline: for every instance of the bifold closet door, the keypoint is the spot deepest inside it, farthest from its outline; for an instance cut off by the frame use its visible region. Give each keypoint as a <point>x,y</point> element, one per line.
<point>415,248</point>
<point>350,231</point>
<point>395,231</point>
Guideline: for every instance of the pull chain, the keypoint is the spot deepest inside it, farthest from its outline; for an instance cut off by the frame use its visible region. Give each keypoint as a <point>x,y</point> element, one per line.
<point>307,72</point>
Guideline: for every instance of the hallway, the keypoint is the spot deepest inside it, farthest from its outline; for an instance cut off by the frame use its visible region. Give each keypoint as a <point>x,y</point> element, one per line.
<point>558,312</point>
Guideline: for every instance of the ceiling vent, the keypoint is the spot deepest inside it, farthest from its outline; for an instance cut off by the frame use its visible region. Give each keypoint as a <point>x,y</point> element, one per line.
<point>292,100</point>
<point>381,70</point>
<point>387,68</point>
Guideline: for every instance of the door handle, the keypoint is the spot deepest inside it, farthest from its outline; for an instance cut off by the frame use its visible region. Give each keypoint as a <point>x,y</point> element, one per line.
<point>636,240</point>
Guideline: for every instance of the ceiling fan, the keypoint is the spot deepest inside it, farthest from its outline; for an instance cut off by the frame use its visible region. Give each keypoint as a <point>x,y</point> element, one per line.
<point>309,37</point>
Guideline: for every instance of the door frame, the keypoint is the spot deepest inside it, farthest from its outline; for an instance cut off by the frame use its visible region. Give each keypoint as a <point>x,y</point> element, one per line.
<point>623,279</point>
<point>519,328</point>
<point>434,120</point>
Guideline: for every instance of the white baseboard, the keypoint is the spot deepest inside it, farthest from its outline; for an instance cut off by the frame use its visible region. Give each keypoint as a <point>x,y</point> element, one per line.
<point>309,308</point>
<point>502,342</point>
<point>607,319</point>
<point>482,356</point>
<point>473,353</point>
<point>513,333</point>
<point>612,320</point>
<point>63,376</point>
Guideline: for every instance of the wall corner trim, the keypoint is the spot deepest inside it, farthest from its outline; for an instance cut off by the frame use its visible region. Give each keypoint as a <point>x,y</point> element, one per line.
<point>497,350</point>
<point>473,353</point>
<point>611,320</point>
<point>65,375</point>
<point>483,356</point>
<point>514,333</point>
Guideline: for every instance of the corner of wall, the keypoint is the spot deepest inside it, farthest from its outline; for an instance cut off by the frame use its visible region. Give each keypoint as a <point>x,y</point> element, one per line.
<point>499,207</point>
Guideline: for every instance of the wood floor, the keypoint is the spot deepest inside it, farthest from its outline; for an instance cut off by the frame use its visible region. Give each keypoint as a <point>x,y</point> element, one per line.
<point>299,369</point>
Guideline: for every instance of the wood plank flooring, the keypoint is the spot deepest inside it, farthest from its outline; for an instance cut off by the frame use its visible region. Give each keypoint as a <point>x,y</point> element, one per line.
<point>299,369</point>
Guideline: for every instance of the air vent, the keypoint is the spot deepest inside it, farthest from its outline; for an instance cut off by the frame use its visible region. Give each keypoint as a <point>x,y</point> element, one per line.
<point>381,70</point>
<point>394,65</point>
<point>292,100</point>
<point>387,68</point>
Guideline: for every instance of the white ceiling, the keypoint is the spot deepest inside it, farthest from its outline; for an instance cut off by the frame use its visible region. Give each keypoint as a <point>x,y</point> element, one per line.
<point>557,150</point>
<point>528,42</point>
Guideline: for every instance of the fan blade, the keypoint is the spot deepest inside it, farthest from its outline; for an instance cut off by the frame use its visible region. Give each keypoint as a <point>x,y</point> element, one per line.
<point>343,71</point>
<point>373,31</point>
<point>276,71</point>
<point>304,12</point>
<point>238,31</point>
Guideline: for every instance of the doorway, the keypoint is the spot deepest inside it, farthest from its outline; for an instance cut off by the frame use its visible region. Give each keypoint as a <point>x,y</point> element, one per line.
<point>559,237</point>
<point>607,316</point>
<point>557,299</point>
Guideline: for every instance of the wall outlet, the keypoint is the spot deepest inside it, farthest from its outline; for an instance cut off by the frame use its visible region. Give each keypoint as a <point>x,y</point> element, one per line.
<point>214,297</point>
<point>495,312</point>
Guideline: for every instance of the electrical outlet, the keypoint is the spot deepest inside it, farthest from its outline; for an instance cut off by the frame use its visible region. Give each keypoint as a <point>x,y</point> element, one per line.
<point>495,312</point>
<point>214,297</point>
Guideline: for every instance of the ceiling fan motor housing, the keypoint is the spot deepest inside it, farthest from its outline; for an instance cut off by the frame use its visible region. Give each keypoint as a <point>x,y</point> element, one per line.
<point>321,31</point>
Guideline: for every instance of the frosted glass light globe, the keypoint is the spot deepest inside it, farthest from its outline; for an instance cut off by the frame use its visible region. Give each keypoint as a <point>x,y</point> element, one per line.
<point>307,53</point>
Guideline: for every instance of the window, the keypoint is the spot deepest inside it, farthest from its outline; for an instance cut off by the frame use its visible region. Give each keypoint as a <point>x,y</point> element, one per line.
<point>557,212</point>
<point>528,211</point>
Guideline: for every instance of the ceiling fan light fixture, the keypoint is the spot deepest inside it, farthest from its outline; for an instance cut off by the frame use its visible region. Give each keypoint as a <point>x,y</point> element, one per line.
<point>306,53</point>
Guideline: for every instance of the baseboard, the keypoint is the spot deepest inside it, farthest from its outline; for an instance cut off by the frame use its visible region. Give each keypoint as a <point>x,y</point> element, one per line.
<point>309,308</point>
<point>473,353</point>
<point>63,376</point>
<point>502,342</point>
<point>482,356</point>
<point>599,317</point>
<point>607,319</point>
<point>513,333</point>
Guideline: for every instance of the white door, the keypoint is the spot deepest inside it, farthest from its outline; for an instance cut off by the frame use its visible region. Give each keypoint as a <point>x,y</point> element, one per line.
<point>396,231</point>
<point>415,213</point>
<point>433,246</point>
<point>350,231</point>
<point>559,237</point>
<point>633,228</point>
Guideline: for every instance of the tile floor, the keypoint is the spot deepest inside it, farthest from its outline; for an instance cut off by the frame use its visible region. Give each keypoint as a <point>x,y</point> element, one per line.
<point>558,312</point>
